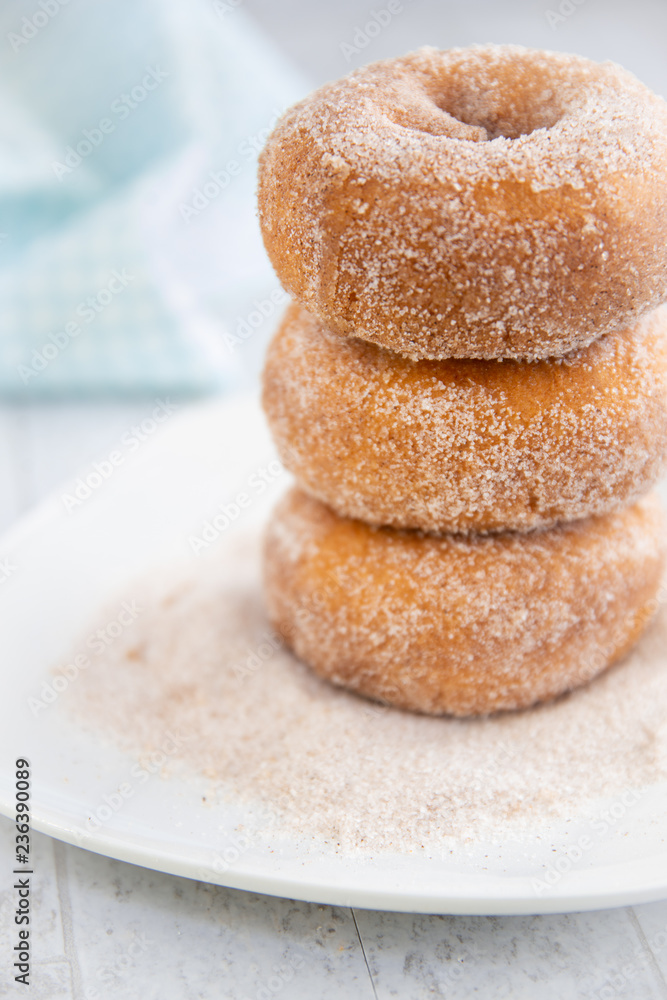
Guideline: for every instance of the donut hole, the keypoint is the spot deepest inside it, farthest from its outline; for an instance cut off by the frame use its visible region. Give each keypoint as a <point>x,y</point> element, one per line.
<point>479,101</point>
<point>505,127</point>
<point>502,95</point>
<point>490,110</point>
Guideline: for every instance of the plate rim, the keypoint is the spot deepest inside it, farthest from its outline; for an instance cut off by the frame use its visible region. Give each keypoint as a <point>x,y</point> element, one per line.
<point>108,843</point>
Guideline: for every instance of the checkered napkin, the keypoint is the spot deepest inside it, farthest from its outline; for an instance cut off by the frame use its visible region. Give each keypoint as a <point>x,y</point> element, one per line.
<point>129,132</point>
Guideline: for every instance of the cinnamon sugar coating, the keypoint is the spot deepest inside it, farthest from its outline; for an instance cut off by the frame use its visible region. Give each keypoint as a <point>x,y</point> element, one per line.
<point>463,445</point>
<point>461,625</point>
<point>491,202</point>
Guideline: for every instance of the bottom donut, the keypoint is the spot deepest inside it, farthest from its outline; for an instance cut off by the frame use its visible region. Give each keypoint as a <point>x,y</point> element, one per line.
<point>461,625</point>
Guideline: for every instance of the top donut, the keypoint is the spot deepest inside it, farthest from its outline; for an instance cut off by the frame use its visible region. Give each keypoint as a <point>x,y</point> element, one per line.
<point>490,202</point>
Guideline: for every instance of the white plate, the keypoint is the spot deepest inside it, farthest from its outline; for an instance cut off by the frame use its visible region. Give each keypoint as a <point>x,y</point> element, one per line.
<point>69,565</point>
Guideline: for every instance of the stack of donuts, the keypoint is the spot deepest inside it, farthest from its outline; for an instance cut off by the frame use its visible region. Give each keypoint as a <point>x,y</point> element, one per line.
<point>470,385</point>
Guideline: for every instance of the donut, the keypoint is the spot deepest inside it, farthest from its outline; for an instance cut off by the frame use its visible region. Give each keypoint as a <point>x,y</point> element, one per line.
<point>461,625</point>
<point>489,202</point>
<point>462,445</point>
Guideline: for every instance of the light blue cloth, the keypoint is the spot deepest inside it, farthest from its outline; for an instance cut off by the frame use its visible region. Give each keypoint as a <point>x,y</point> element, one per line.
<point>129,132</point>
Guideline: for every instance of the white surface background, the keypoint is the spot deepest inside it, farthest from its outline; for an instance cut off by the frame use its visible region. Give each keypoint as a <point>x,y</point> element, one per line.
<point>107,929</point>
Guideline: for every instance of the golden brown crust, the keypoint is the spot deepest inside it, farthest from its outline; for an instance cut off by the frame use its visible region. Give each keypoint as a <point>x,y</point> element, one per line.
<point>463,626</point>
<point>524,223</point>
<point>468,445</point>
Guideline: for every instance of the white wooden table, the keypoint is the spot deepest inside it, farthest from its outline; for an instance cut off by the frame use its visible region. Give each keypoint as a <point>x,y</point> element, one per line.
<point>105,929</point>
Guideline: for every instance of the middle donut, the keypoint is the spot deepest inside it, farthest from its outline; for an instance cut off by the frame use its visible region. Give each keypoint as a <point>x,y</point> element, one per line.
<point>468,445</point>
